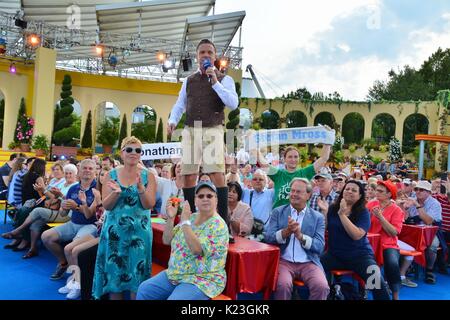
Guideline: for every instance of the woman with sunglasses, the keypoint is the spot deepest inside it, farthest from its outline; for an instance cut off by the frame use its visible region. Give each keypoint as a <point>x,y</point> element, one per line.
<point>387,220</point>
<point>199,247</point>
<point>125,247</point>
<point>348,221</point>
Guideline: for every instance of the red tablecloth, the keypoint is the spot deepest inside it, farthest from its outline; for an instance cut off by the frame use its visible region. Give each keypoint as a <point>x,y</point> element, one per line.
<point>160,251</point>
<point>420,237</point>
<point>251,266</point>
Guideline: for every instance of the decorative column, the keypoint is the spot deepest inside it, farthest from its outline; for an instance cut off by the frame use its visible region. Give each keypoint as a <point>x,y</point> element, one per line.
<point>421,151</point>
<point>44,91</point>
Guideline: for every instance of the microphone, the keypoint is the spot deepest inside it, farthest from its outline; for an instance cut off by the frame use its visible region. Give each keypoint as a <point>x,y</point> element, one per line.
<point>206,65</point>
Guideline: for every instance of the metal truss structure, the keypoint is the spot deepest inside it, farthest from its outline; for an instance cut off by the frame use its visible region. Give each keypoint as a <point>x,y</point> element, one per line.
<point>135,55</point>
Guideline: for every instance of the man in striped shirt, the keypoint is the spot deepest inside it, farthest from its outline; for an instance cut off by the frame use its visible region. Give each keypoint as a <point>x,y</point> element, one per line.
<point>321,200</point>
<point>444,200</point>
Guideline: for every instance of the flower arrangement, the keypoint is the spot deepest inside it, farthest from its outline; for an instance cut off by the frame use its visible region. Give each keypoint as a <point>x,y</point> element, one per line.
<point>24,130</point>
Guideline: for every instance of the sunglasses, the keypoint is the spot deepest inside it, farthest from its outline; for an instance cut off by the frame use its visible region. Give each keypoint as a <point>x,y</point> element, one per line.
<point>419,190</point>
<point>256,179</point>
<point>130,150</point>
<point>208,196</point>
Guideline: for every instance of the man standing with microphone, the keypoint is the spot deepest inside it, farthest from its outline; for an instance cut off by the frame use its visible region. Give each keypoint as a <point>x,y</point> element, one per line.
<point>203,96</point>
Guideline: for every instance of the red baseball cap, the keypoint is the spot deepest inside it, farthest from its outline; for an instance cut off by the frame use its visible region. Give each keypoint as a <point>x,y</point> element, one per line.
<point>392,188</point>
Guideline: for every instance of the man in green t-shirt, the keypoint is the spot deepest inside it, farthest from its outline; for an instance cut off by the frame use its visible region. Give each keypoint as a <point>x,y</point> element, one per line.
<point>282,177</point>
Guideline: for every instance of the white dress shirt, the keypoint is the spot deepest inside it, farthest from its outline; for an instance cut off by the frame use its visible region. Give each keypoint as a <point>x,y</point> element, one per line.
<point>225,89</point>
<point>295,251</point>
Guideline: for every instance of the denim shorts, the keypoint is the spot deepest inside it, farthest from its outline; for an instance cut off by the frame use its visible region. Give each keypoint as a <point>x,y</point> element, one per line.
<point>70,231</point>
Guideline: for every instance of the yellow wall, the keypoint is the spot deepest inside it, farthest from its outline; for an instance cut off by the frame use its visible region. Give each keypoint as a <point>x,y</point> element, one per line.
<point>91,90</point>
<point>44,88</point>
<point>13,88</point>
<point>398,110</point>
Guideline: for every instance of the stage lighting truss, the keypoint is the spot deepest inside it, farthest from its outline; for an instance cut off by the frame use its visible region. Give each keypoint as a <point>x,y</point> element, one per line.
<point>136,57</point>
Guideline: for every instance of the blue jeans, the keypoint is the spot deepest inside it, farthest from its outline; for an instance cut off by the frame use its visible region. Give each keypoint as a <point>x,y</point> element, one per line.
<point>391,259</point>
<point>360,266</point>
<point>160,288</point>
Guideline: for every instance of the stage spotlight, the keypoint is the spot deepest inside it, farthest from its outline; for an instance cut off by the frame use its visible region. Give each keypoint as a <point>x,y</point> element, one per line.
<point>99,50</point>
<point>12,68</point>
<point>161,56</point>
<point>223,63</point>
<point>33,40</point>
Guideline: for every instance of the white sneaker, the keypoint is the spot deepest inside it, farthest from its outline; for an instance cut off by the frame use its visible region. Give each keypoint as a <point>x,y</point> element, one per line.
<point>69,285</point>
<point>74,294</point>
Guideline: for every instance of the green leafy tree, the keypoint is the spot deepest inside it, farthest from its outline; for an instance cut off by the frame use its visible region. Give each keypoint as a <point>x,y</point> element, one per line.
<point>65,119</point>
<point>296,119</point>
<point>145,131</point>
<point>270,119</point>
<point>414,124</point>
<point>123,129</point>
<point>353,128</point>
<point>87,136</point>
<point>233,121</point>
<point>383,127</point>
<point>159,132</point>
<point>108,131</point>
<point>411,84</point>
<point>301,94</point>
<point>19,134</point>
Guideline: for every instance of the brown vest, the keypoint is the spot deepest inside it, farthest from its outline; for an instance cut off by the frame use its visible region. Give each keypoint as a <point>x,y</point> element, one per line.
<point>203,103</point>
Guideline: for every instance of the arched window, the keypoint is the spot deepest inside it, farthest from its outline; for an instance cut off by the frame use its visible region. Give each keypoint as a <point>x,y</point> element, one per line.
<point>143,123</point>
<point>107,121</point>
<point>296,119</point>
<point>353,128</point>
<point>383,128</point>
<point>325,118</point>
<point>270,119</point>
<point>245,118</point>
<point>414,124</point>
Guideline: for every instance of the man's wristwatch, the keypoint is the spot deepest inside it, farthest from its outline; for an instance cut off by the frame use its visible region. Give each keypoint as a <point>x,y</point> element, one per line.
<point>185,222</point>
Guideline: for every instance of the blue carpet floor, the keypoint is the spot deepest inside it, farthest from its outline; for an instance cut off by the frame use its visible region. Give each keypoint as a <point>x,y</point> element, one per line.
<point>29,279</point>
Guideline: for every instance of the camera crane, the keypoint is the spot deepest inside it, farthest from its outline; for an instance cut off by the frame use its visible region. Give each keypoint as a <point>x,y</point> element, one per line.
<point>258,86</point>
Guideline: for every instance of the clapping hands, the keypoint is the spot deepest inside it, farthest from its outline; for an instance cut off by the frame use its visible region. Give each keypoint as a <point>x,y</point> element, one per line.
<point>114,186</point>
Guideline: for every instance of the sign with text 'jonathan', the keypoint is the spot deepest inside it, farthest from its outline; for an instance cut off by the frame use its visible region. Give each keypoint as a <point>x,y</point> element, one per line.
<point>156,151</point>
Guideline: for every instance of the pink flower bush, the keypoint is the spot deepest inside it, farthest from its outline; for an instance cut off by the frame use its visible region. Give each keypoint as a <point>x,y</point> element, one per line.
<point>25,129</point>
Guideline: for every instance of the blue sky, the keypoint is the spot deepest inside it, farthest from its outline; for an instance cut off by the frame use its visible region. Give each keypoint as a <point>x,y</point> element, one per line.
<point>342,45</point>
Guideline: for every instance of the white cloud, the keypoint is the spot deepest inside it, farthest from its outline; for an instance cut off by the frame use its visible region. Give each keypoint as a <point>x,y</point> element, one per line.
<point>274,33</point>
<point>344,47</point>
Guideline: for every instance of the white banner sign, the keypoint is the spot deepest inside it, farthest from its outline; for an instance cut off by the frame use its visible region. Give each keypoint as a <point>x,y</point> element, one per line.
<point>156,151</point>
<point>304,135</point>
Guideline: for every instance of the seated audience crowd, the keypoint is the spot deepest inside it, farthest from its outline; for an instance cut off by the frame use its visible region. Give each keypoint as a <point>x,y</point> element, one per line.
<point>319,216</point>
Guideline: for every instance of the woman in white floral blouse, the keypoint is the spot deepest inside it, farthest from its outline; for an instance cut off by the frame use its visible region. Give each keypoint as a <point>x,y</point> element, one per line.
<point>199,251</point>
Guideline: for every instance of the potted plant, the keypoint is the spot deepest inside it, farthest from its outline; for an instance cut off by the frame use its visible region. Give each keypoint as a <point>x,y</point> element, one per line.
<point>24,128</point>
<point>108,133</point>
<point>14,146</point>
<point>40,145</point>
<point>352,148</point>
